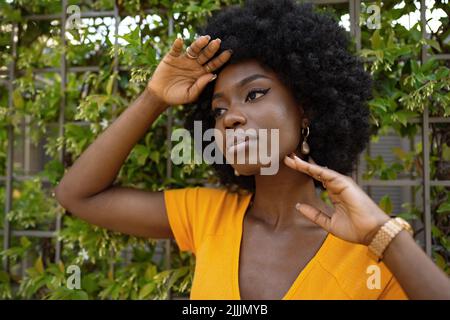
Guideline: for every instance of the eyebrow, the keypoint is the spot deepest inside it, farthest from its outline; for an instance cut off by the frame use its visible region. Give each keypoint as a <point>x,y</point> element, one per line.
<point>241,83</point>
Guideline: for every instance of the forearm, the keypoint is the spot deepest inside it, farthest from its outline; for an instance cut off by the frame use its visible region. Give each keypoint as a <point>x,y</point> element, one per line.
<point>419,277</point>
<point>97,167</point>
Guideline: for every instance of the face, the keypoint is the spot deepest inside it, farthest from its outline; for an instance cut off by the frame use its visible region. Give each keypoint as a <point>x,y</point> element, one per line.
<point>248,96</point>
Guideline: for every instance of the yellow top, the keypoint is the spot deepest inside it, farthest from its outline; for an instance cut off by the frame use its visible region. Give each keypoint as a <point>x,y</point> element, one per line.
<point>208,222</point>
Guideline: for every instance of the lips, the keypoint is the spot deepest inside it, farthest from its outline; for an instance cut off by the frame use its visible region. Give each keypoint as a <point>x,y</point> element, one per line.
<point>240,144</point>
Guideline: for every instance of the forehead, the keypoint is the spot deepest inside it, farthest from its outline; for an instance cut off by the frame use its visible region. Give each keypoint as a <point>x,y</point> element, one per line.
<point>232,74</point>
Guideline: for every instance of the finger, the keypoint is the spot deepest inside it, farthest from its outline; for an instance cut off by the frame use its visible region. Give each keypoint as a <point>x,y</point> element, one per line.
<point>289,162</point>
<point>335,200</point>
<point>177,47</point>
<point>199,85</point>
<point>199,44</point>
<point>219,61</point>
<point>208,52</point>
<point>317,172</point>
<point>315,215</point>
<point>311,160</point>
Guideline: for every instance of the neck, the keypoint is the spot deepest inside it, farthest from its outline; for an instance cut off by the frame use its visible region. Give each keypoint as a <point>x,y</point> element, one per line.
<point>276,195</point>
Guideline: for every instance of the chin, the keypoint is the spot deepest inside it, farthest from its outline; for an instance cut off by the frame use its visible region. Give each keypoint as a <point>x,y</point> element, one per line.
<point>254,169</point>
<point>247,169</point>
<point>244,168</point>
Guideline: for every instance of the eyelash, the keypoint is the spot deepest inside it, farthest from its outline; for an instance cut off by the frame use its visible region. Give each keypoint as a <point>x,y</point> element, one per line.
<point>264,91</point>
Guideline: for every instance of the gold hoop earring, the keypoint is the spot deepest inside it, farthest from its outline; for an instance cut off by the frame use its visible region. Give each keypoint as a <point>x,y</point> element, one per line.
<point>305,146</point>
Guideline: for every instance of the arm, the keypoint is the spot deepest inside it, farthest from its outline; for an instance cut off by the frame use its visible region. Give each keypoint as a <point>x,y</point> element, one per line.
<point>419,277</point>
<point>356,218</point>
<point>98,166</point>
<point>86,189</point>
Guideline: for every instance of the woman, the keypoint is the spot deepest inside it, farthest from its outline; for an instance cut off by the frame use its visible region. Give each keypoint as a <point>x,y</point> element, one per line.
<point>273,65</point>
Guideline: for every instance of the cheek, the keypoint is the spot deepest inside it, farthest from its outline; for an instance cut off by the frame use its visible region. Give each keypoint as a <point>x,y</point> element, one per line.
<point>219,139</point>
<point>289,137</point>
<point>288,121</point>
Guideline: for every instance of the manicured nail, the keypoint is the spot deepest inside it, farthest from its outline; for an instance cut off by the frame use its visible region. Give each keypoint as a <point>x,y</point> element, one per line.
<point>289,160</point>
<point>208,37</point>
<point>297,206</point>
<point>214,77</point>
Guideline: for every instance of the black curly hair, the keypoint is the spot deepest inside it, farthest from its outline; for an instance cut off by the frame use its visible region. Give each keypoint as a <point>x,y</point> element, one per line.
<point>309,52</point>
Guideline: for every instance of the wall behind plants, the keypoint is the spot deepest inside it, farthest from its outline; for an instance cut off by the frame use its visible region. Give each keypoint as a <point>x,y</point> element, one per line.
<point>102,76</point>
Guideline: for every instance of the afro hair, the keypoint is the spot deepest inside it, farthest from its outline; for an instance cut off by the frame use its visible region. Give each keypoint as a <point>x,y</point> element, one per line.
<point>310,53</point>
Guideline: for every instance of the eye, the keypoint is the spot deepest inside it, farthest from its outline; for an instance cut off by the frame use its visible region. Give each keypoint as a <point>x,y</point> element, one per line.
<point>254,92</point>
<point>216,112</point>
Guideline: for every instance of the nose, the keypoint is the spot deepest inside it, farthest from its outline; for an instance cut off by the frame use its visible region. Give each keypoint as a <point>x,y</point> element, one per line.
<point>233,118</point>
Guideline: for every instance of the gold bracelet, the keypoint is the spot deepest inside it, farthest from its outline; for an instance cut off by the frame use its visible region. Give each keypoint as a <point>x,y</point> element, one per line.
<point>385,235</point>
<point>403,223</point>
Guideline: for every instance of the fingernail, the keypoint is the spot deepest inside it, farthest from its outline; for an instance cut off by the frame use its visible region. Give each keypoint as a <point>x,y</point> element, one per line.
<point>297,206</point>
<point>208,37</point>
<point>289,160</point>
<point>217,39</point>
<point>214,77</point>
<point>231,51</point>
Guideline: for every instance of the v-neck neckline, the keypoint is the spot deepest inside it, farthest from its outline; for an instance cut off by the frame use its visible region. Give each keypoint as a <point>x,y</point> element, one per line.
<point>237,252</point>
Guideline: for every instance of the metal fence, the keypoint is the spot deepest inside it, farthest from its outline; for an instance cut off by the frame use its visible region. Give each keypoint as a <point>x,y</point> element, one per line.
<point>8,78</point>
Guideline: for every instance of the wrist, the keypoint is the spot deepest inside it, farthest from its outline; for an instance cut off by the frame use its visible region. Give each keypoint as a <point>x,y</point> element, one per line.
<point>154,99</point>
<point>371,234</point>
<point>385,236</point>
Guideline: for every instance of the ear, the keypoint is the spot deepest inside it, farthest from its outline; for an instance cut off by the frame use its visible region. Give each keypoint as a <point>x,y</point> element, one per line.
<point>305,122</point>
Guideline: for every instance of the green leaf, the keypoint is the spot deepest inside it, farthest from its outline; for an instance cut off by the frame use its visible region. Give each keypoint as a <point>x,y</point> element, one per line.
<point>444,207</point>
<point>38,265</point>
<point>110,84</point>
<point>89,283</point>
<point>403,116</point>
<point>376,40</point>
<point>79,295</point>
<point>434,44</point>
<point>53,170</point>
<point>141,153</point>
<point>4,277</point>
<point>440,261</point>
<point>24,242</point>
<point>150,272</point>
<point>386,204</point>
<point>146,290</point>
<point>17,99</point>
<point>409,216</point>
<point>414,66</point>
<point>154,155</point>
<point>435,231</point>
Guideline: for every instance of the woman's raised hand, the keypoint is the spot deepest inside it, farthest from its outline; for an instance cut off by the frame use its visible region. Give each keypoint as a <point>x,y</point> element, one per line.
<point>179,78</point>
<point>356,218</point>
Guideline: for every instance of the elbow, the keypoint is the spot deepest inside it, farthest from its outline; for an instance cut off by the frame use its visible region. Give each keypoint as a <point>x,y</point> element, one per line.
<point>62,196</point>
